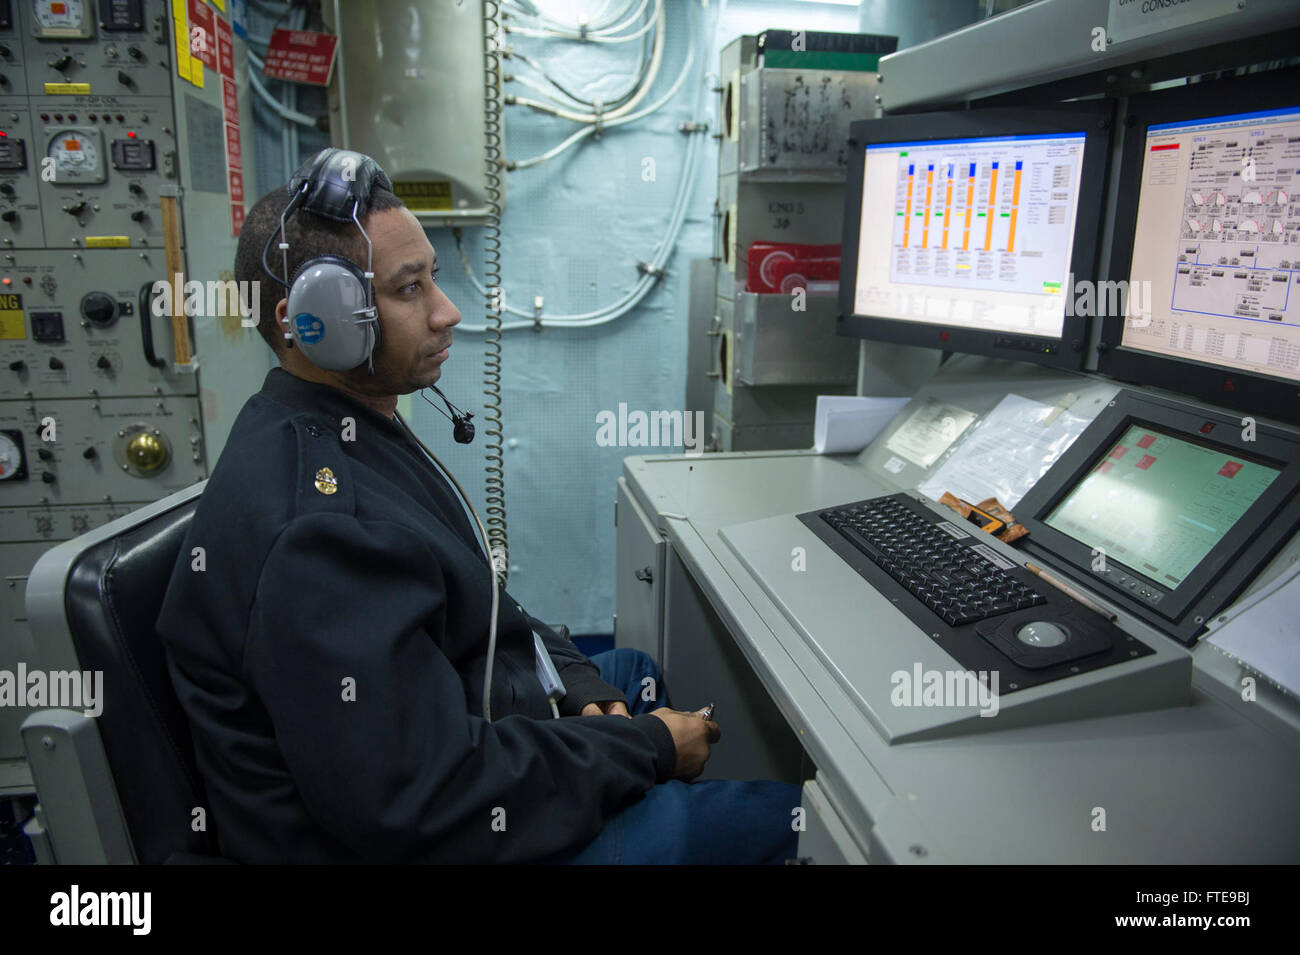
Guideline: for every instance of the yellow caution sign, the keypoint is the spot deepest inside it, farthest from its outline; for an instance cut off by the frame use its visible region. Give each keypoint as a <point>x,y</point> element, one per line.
<point>12,325</point>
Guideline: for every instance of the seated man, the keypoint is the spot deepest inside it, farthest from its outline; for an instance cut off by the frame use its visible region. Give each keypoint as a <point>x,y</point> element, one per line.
<point>327,622</point>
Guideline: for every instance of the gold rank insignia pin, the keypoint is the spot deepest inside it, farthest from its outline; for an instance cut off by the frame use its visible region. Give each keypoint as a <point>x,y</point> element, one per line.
<point>326,482</point>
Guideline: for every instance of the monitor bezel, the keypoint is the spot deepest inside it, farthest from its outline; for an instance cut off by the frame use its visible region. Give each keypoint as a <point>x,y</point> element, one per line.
<point>1268,395</point>
<point>1093,119</point>
<point>1230,565</point>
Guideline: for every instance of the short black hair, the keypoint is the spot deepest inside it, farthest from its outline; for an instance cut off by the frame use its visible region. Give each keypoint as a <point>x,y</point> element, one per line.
<point>309,236</point>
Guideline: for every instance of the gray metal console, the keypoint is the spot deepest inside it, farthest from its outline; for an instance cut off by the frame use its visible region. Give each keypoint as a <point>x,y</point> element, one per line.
<point>1155,760</point>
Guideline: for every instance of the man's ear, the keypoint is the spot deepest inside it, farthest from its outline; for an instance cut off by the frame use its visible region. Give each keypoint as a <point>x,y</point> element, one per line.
<point>281,328</point>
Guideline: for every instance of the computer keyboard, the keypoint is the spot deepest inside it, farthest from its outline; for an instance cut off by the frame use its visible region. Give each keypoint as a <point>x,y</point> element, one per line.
<point>957,584</point>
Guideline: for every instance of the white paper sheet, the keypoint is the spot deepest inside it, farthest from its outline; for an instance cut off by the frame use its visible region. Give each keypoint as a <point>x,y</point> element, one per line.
<point>1266,636</point>
<point>929,431</point>
<point>846,424</point>
<point>1006,453</point>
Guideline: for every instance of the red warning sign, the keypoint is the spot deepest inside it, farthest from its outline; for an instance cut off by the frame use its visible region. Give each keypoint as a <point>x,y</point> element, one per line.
<point>1230,469</point>
<point>234,157</point>
<point>225,49</point>
<point>302,56</point>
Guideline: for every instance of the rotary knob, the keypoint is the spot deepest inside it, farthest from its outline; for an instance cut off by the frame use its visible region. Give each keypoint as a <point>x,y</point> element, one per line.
<point>99,308</point>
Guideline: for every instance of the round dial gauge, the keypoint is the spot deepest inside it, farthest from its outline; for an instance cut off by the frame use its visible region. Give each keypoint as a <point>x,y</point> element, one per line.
<point>11,458</point>
<point>65,18</point>
<point>77,156</point>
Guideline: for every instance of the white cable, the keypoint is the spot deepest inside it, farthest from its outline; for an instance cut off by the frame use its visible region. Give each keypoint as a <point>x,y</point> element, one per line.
<point>656,60</point>
<point>492,571</point>
<point>639,72</point>
<point>646,282</point>
<point>555,709</point>
<point>254,80</point>
<point>626,23</point>
<point>544,89</point>
<point>591,37</point>
<point>621,121</point>
<point>562,27</point>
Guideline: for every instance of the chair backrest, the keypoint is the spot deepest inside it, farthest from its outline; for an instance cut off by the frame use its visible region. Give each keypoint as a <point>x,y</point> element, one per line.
<point>112,591</point>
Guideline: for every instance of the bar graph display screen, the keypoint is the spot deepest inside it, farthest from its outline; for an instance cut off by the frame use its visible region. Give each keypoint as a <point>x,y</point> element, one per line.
<point>970,233</point>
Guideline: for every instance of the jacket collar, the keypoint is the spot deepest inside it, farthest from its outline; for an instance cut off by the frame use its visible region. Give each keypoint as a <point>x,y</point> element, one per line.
<point>324,401</point>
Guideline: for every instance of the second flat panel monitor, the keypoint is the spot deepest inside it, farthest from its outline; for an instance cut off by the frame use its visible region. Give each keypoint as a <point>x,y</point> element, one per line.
<point>967,231</point>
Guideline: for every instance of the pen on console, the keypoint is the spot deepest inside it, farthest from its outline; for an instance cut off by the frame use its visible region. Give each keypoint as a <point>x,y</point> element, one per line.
<point>1070,591</point>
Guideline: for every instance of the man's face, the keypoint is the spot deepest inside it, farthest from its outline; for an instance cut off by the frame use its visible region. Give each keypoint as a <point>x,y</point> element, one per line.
<point>415,316</point>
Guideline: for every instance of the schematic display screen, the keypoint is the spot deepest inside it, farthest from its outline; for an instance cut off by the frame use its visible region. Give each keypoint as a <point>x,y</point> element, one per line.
<point>1158,504</point>
<point>1217,242</point>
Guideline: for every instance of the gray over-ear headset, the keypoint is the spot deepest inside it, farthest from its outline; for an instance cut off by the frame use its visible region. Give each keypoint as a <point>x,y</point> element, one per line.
<point>331,314</point>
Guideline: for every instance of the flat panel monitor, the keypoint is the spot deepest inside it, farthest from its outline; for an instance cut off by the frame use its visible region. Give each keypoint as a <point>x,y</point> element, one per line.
<point>967,231</point>
<point>1167,508</point>
<point>1207,244</point>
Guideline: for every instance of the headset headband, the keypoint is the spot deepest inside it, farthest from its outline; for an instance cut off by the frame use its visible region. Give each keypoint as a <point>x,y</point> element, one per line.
<point>338,181</point>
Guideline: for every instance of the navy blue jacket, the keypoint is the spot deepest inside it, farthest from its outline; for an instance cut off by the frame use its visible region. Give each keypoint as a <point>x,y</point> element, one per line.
<point>329,645</point>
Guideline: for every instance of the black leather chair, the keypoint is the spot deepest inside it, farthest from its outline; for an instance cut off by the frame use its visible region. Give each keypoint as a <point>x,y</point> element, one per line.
<point>122,786</point>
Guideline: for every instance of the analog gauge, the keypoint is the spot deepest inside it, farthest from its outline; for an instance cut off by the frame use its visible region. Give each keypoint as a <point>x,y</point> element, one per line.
<point>11,457</point>
<point>77,156</point>
<point>62,19</point>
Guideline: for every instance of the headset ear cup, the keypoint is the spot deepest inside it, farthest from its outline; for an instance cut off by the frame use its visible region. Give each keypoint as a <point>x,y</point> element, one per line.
<point>325,295</point>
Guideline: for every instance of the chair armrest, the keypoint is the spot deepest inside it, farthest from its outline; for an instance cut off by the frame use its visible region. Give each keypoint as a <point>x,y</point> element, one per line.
<point>80,811</point>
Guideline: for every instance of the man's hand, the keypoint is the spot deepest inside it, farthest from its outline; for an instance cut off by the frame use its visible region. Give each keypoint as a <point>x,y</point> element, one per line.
<point>692,735</point>
<point>607,708</point>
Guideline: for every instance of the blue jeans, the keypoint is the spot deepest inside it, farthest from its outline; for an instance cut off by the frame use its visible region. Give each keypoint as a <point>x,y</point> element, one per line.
<point>719,821</point>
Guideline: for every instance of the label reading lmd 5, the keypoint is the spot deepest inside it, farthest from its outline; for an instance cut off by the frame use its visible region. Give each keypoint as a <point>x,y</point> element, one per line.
<point>11,317</point>
<point>424,196</point>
